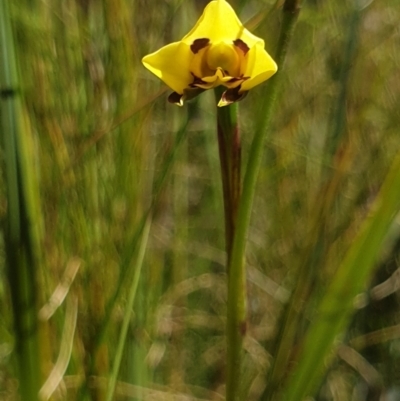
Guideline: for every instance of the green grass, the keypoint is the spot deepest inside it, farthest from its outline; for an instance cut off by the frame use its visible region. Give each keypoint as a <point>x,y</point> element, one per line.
<point>112,209</point>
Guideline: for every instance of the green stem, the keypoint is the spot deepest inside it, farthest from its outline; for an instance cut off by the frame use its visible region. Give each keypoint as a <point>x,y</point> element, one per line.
<point>257,147</point>
<point>128,312</point>
<point>236,315</point>
<point>21,236</point>
<point>315,247</point>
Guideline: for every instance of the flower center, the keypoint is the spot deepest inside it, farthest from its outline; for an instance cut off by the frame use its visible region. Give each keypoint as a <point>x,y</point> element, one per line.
<point>223,55</point>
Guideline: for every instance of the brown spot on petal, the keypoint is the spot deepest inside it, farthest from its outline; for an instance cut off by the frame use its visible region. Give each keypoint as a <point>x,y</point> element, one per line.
<point>176,98</point>
<point>231,96</point>
<point>188,94</point>
<point>241,45</point>
<point>199,44</point>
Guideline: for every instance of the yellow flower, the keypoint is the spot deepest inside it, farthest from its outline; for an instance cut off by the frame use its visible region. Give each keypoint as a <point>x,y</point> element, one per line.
<point>219,50</point>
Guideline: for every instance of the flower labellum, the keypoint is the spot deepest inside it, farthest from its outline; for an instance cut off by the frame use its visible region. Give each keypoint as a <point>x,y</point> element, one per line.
<point>219,50</point>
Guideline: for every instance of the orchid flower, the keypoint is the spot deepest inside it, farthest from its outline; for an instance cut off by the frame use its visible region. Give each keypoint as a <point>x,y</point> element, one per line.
<point>219,50</point>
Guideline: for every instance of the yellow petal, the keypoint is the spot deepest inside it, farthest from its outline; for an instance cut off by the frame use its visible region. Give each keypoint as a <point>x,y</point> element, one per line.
<point>258,66</point>
<point>172,64</point>
<point>219,22</point>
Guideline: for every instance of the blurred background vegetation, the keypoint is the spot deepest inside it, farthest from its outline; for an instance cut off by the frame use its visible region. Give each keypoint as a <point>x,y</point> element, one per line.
<point>129,276</point>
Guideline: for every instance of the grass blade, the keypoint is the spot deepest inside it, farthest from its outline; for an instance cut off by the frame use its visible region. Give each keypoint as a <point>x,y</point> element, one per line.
<point>21,236</point>
<point>336,307</point>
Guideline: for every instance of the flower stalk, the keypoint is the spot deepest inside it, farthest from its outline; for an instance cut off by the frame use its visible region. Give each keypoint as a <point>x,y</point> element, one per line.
<point>229,146</point>
<point>230,156</point>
